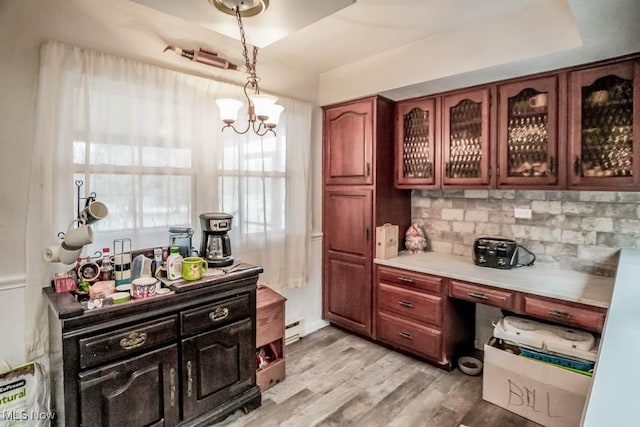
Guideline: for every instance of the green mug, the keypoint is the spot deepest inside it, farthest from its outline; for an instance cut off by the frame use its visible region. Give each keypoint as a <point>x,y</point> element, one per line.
<point>193,268</point>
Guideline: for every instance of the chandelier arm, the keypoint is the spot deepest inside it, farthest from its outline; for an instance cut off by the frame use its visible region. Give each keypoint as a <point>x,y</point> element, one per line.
<point>230,125</point>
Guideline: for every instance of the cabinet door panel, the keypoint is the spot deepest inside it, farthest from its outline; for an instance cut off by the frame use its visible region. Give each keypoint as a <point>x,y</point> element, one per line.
<point>528,124</point>
<point>347,292</point>
<point>350,229</point>
<point>604,128</point>
<point>415,144</point>
<point>348,133</point>
<point>466,138</point>
<point>141,391</point>
<point>216,366</point>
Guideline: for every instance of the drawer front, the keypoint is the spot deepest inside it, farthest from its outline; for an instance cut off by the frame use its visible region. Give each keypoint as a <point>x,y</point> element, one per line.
<point>483,295</point>
<point>586,318</point>
<point>414,305</point>
<point>104,347</point>
<point>421,281</point>
<point>215,314</point>
<point>410,336</point>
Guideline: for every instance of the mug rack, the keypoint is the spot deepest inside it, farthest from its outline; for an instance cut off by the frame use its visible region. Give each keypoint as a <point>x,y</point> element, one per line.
<point>88,200</point>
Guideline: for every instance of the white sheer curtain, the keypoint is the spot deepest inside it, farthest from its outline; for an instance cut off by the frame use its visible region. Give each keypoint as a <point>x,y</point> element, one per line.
<point>147,141</point>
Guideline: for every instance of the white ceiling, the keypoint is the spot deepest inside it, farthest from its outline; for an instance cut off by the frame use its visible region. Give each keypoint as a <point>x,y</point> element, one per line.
<point>406,48</point>
<point>326,51</point>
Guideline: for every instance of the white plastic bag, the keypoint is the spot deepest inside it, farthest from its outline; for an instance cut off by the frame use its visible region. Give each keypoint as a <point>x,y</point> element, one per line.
<point>24,397</point>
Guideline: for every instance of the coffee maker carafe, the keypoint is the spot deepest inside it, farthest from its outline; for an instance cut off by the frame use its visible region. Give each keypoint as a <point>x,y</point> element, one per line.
<point>215,246</point>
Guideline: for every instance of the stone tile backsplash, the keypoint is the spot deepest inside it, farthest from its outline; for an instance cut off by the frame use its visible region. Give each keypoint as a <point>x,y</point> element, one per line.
<point>577,230</point>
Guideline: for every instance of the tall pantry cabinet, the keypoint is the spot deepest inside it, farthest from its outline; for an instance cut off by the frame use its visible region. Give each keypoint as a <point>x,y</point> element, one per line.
<point>358,195</point>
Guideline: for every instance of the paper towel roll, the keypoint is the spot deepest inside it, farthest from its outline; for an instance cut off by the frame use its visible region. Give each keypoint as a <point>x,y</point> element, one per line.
<point>52,254</point>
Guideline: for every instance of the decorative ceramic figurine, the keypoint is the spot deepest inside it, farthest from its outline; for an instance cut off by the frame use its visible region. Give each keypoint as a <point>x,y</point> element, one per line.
<point>414,239</point>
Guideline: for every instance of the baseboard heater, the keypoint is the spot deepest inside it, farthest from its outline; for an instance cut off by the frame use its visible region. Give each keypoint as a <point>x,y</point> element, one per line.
<point>293,331</point>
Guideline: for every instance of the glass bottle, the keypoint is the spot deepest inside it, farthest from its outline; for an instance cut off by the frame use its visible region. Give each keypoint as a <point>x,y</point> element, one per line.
<point>106,269</point>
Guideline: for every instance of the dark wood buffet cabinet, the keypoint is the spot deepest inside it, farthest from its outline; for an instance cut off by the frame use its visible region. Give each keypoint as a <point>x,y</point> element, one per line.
<point>186,358</point>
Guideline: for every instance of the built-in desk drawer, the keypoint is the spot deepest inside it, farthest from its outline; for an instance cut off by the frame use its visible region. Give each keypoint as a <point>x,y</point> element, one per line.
<point>591,318</point>
<point>132,340</point>
<point>416,306</point>
<point>410,336</point>
<point>483,294</point>
<point>410,279</point>
<point>216,314</point>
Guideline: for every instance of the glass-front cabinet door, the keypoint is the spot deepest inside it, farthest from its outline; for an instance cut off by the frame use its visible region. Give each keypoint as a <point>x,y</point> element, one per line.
<point>415,143</point>
<point>527,132</point>
<point>604,113</point>
<point>466,138</point>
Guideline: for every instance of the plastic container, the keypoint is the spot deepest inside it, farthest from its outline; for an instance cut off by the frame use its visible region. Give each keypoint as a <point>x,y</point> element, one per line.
<point>174,264</point>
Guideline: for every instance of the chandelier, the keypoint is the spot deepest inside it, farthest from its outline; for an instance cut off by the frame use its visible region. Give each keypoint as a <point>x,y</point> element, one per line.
<point>263,112</point>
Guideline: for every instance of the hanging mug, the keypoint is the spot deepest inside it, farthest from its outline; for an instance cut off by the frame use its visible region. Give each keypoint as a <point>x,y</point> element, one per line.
<point>79,236</point>
<point>93,212</point>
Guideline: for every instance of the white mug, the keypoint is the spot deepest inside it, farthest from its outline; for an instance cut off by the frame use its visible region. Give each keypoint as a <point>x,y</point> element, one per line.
<point>93,212</point>
<point>78,237</point>
<point>69,255</point>
<point>52,254</point>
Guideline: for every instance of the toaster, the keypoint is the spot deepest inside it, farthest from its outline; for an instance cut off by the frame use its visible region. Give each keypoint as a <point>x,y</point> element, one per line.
<point>495,252</point>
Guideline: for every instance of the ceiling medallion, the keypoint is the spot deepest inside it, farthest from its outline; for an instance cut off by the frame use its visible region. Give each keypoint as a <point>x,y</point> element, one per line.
<point>246,7</point>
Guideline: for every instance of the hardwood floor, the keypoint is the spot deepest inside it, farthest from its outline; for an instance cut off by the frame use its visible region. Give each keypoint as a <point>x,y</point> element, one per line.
<point>338,379</point>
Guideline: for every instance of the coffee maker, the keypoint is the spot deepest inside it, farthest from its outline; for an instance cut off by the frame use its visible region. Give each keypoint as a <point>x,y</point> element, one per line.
<point>215,246</point>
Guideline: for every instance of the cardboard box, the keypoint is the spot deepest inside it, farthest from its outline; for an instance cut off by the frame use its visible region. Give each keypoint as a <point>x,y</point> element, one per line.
<point>387,241</point>
<point>546,394</point>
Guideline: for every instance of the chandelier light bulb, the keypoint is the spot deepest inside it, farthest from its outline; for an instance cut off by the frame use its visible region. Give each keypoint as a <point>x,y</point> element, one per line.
<point>262,104</point>
<point>229,109</point>
<point>274,115</point>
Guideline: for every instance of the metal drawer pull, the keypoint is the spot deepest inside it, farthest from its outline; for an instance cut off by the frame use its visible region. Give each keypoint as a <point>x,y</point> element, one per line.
<point>406,335</point>
<point>560,314</point>
<point>172,382</point>
<point>405,279</point>
<point>407,304</point>
<point>478,295</point>
<point>134,340</point>
<point>189,380</point>
<point>219,314</point>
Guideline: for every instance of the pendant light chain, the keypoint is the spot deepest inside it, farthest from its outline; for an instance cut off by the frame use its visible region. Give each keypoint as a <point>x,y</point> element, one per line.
<point>251,66</point>
<point>262,111</point>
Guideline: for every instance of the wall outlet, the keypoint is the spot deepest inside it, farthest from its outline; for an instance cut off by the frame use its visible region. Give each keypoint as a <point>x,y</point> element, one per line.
<point>522,213</point>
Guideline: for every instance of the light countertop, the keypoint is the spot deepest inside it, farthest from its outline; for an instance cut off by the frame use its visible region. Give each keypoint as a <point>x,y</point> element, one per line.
<point>565,285</point>
<point>613,397</point>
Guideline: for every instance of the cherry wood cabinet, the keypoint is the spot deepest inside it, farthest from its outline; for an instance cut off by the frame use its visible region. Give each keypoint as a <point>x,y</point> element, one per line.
<point>358,195</point>
<point>348,144</point>
<point>575,128</point>
<point>604,111</point>
<point>414,314</point>
<point>528,150</point>
<point>186,358</point>
<point>418,143</point>
<point>466,151</point>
